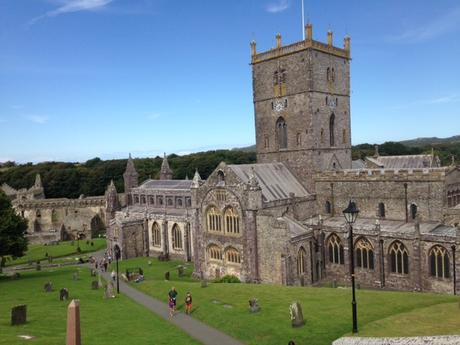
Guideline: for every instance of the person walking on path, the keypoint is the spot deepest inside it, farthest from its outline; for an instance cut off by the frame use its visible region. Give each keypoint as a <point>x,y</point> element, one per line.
<point>171,306</point>
<point>188,303</point>
<point>173,296</point>
<point>114,275</point>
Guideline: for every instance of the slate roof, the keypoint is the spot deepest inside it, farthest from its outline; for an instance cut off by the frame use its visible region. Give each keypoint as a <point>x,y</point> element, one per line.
<point>275,180</point>
<point>166,184</point>
<point>358,164</point>
<point>403,162</point>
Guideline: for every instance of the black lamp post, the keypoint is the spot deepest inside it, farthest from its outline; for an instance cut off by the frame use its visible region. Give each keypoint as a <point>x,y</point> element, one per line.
<point>350,214</point>
<point>117,251</point>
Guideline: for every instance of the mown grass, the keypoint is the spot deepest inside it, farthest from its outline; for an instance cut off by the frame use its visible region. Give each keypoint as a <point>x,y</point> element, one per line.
<point>117,321</point>
<point>39,251</point>
<point>327,311</point>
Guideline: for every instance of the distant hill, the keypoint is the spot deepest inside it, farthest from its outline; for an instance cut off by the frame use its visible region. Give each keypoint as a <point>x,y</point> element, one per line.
<point>431,141</point>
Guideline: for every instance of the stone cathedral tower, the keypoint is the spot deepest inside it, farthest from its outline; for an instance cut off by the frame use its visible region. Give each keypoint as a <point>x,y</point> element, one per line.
<point>302,105</point>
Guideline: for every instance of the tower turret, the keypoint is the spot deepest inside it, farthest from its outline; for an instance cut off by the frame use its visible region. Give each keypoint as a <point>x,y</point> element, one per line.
<point>165,172</point>
<point>112,203</point>
<point>130,178</point>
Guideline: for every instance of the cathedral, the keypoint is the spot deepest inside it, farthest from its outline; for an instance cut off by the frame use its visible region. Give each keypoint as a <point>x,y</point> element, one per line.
<point>280,220</point>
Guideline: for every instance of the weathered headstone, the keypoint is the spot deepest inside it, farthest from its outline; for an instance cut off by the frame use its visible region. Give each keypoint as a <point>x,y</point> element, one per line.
<point>76,276</point>
<point>73,323</point>
<point>295,311</point>
<point>18,315</point>
<point>48,287</point>
<point>63,294</point>
<point>149,262</point>
<point>253,305</point>
<point>180,271</point>
<point>94,285</point>
<point>167,275</point>
<point>93,272</point>
<point>109,290</point>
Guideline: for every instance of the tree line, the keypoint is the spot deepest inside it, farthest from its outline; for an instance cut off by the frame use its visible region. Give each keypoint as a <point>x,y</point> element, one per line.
<point>70,180</point>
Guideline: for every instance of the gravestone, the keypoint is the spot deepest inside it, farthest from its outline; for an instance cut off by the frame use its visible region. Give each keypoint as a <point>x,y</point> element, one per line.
<point>109,290</point>
<point>253,305</point>
<point>15,276</point>
<point>295,311</point>
<point>180,271</point>
<point>149,263</point>
<point>94,285</point>
<point>76,276</point>
<point>167,275</point>
<point>63,294</point>
<point>18,315</point>
<point>48,287</point>
<point>93,272</point>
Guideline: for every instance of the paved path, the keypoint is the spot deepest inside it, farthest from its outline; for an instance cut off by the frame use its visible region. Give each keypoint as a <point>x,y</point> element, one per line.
<point>198,330</point>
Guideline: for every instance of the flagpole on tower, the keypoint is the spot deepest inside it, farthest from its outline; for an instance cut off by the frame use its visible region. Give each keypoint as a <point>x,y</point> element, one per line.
<point>303,21</point>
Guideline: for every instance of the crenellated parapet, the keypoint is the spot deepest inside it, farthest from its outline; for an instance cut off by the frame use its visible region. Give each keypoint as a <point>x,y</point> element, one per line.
<point>428,174</point>
<point>308,43</point>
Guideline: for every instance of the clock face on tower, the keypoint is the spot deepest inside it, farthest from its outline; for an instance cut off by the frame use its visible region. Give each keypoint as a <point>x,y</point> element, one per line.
<point>278,106</point>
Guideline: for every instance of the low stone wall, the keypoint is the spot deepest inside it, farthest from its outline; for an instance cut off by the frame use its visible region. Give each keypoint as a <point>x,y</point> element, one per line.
<point>439,340</point>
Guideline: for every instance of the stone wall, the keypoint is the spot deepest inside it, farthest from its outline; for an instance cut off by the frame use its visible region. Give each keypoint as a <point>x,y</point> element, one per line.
<point>425,188</point>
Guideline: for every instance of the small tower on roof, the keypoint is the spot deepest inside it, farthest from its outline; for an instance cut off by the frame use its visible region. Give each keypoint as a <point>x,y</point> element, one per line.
<point>165,172</point>
<point>130,177</point>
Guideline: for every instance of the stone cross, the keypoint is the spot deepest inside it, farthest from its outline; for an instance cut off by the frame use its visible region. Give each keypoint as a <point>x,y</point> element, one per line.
<point>48,287</point>
<point>73,323</point>
<point>18,315</point>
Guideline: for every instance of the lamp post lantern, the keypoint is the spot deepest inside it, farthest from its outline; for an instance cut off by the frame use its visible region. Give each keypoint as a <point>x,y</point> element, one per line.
<point>350,214</point>
<point>117,252</point>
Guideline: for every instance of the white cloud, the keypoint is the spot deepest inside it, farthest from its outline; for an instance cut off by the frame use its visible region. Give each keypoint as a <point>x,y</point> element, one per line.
<point>69,6</point>
<point>153,116</point>
<point>276,7</point>
<point>441,25</point>
<point>39,119</point>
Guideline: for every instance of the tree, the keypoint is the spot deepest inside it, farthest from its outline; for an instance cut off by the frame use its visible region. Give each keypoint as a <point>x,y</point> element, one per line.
<point>13,241</point>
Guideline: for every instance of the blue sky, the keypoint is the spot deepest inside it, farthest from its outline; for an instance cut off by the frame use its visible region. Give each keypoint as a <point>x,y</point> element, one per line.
<point>87,78</point>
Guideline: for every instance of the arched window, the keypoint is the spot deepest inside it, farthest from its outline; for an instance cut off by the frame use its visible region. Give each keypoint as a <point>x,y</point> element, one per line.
<point>281,131</point>
<point>335,248</point>
<point>176,237</point>
<point>344,136</point>
<point>328,207</point>
<point>169,201</point>
<point>333,74</point>
<point>220,177</point>
<point>214,252</point>
<point>232,224</point>
<point>232,255</point>
<point>214,218</point>
<point>301,257</point>
<point>143,199</point>
<point>439,262</point>
<point>399,258</point>
<point>156,235</point>
<point>328,74</point>
<point>364,253</point>
<point>381,210</point>
<point>331,130</point>
<point>413,211</point>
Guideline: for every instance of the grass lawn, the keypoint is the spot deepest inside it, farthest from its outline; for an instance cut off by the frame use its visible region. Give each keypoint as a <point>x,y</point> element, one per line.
<point>38,251</point>
<point>117,321</point>
<point>327,311</point>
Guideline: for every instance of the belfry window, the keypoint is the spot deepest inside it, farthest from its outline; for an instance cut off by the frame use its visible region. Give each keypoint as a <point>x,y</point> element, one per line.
<point>381,210</point>
<point>331,130</point>
<point>281,130</point>
<point>413,211</point>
